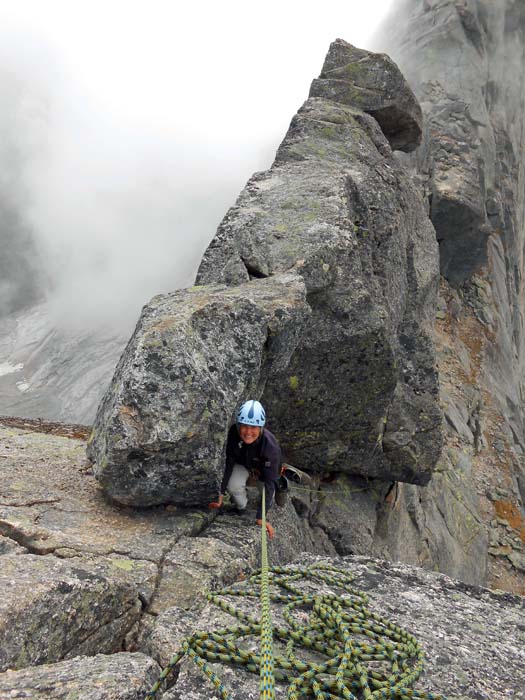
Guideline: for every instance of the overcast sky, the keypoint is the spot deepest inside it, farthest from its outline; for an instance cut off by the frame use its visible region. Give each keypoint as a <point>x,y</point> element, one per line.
<point>136,124</point>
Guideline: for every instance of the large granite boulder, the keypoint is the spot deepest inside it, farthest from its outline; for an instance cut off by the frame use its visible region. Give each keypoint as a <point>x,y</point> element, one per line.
<point>195,355</point>
<point>360,392</point>
<point>335,228</point>
<point>115,677</point>
<point>374,84</point>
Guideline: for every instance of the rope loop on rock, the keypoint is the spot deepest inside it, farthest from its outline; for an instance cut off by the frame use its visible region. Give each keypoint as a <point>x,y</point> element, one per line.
<point>332,646</point>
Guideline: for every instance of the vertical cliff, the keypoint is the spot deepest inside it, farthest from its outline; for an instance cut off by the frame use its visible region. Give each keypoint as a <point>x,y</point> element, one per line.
<point>465,62</point>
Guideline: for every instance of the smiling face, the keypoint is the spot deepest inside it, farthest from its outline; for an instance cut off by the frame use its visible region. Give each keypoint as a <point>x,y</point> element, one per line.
<point>249,433</point>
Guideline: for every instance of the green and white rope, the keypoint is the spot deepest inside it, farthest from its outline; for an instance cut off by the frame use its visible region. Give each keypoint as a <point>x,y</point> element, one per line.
<point>360,654</point>
<point>266,671</point>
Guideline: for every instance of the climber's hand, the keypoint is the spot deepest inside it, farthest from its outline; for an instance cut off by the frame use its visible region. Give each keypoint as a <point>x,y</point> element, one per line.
<point>269,529</point>
<point>216,504</point>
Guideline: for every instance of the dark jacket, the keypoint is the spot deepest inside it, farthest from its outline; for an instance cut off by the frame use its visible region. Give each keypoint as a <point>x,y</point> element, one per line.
<point>262,457</point>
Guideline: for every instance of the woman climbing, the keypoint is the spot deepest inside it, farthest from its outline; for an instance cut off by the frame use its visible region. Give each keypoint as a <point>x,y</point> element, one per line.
<point>251,450</point>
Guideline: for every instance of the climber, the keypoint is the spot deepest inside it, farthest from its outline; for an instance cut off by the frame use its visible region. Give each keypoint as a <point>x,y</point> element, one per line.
<point>251,451</point>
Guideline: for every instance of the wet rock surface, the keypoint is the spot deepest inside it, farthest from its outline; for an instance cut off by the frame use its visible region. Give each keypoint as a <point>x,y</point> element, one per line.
<point>195,355</point>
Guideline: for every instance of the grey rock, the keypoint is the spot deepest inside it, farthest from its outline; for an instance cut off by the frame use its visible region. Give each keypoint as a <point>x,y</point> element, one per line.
<point>517,559</point>
<point>461,67</point>
<point>453,81</point>
<point>193,567</point>
<point>374,84</point>
<point>456,416</point>
<point>50,610</point>
<point>337,208</point>
<point>347,512</point>
<point>436,527</point>
<point>195,355</point>
<point>51,503</point>
<point>8,546</point>
<point>452,621</point>
<point>163,634</point>
<point>292,533</point>
<point>191,684</point>
<point>115,677</point>
<point>464,357</point>
<point>142,574</point>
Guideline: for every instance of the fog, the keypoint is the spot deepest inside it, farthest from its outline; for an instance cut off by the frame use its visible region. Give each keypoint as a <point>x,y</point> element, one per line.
<point>128,129</point>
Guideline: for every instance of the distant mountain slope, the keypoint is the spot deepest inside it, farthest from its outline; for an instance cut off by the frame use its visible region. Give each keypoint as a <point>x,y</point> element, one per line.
<point>51,373</point>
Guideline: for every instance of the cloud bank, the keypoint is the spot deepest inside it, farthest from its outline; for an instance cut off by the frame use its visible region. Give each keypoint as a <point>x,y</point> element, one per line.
<point>127,132</point>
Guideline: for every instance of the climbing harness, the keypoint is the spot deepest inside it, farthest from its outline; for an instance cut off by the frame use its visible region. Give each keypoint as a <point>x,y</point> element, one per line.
<point>330,646</point>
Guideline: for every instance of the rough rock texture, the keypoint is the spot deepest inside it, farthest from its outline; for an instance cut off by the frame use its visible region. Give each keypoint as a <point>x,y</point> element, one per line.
<point>373,83</point>
<point>195,355</point>
<point>104,574</point>
<point>461,627</point>
<point>464,71</point>
<point>116,677</point>
<point>228,551</point>
<point>465,66</point>
<point>50,610</point>
<point>473,639</point>
<point>347,510</point>
<point>359,393</point>
<point>50,503</point>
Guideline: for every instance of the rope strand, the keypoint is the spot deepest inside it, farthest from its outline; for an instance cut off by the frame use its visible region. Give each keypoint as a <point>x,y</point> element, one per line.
<point>359,655</point>
<point>266,672</point>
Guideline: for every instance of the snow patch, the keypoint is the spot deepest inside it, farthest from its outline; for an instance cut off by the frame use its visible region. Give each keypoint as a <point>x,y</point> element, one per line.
<point>8,368</point>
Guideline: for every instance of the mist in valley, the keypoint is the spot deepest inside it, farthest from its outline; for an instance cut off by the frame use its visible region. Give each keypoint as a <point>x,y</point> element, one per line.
<point>126,135</point>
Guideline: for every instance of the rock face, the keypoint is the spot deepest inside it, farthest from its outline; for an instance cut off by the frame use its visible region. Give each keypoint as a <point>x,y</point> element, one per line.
<point>374,84</point>
<point>54,372</point>
<point>451,621</point>
<point>50,610</point>
<point>331,271</point>
<point>359,393</point>
<point>116,677</point>
<point>463,72</point>
<point>94,559</point>
<point>195,355</point>
<point>81,576</point>
<point>463,68</point>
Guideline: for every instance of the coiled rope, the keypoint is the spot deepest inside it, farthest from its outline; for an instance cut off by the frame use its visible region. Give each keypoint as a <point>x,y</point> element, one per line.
<point>334,647</point>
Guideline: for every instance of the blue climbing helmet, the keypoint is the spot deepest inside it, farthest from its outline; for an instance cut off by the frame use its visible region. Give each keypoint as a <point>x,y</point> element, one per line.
<point>251,413</point>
